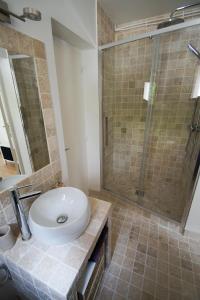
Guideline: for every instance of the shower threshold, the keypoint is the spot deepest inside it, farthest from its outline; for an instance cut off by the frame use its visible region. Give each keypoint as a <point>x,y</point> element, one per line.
<point>132,202</point>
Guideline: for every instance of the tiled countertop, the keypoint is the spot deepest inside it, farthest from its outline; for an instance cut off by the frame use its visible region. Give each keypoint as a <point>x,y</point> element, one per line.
<point>50,272</point>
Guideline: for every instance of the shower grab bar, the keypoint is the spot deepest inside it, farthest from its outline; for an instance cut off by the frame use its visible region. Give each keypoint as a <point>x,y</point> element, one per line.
<point>106,131</point>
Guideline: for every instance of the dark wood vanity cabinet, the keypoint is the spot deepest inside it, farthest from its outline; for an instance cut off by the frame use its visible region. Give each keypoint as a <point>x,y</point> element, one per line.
<point>89,282</point>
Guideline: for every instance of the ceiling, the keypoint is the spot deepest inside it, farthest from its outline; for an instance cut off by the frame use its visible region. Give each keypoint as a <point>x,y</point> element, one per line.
<point>124,11</point>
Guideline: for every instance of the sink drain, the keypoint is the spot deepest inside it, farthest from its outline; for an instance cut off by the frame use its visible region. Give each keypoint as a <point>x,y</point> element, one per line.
<point>62,219</point>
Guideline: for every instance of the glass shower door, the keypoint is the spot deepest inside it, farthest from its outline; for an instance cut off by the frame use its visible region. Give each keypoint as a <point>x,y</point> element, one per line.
<point>169,166</point>
<point>125,69</point>
<point>150,154</point>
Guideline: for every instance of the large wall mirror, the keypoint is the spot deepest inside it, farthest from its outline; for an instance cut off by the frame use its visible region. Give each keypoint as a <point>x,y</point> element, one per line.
<point>23,143</point>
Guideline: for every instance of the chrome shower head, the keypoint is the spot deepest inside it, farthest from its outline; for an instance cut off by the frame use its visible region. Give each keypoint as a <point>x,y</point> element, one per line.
<point>31,14</point>
<point>170,22</point>
<point>172,19</point>
<point>194,50</point>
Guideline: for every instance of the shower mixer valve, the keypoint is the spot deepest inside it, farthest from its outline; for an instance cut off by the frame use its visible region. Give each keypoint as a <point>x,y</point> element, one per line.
<point>195,127</point>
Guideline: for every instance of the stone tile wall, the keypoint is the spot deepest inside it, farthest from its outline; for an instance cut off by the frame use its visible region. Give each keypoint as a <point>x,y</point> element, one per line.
<point>105,27</point>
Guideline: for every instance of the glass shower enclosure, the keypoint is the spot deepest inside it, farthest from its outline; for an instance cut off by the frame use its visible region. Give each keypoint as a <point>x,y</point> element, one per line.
<point>151,135</point>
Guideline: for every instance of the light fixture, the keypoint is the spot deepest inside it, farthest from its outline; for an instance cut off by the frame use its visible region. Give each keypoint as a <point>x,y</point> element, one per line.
<point>28,13</point>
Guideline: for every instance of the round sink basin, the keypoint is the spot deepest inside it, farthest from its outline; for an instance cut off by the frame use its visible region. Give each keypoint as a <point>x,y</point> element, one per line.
<point>59,216</point>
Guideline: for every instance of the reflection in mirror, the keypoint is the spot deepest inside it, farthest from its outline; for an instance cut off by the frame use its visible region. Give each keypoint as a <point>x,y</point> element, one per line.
<point>23,144</point>
<point>32,118</point>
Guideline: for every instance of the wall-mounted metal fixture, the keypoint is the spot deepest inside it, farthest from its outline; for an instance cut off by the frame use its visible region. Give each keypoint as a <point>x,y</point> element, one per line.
<point>174,20</point>
<point>194,50</point>
<point>28,13</point>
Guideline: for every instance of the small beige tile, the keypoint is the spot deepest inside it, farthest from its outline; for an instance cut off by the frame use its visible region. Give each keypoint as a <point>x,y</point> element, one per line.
<point>45,269</point>
<point>31,259</point>
<point>150,273</point>
<point>44,86</point>
<point>85,241</point>
<point>174,283</point>
<point>125,275</point>
<point>75,257</point>
<point>110,281</point>
<point>174,295</point>
<point>122,288</point>
<point>117,296</point>
<point>114,269</point>
<point>174,271</point>
<point>161,293</point>
<point>41,64</point>
<point>147,296</point>
<point>140,257</point>
<point>39,49</point>
<point>9,214</point>
<point>106,293</point>
<point>2,218</point>
<point>25,44</point>
<point>128,263</point>
<point>18,251</point>
<point>162,279</point>
<point>9,39</point>
<point>134,293</point>
<point>62,279</point>
<point>46,100</point>
<point>137,280</point>
<point>149,286</point>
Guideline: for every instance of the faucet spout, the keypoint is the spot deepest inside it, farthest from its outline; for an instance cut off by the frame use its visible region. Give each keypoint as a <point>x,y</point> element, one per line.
<point>19,211</point>
<point>29,195</point>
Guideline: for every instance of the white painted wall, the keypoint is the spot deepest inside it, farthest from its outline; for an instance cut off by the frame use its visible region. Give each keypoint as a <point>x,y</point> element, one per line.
<point>92,116</point>
<point>69,14</point>
<point>193,221</point>
<point>77,71</point>
<point>128,10</point>
<point>69,72</point>
<point>85,9</point>
<point>3,134</point>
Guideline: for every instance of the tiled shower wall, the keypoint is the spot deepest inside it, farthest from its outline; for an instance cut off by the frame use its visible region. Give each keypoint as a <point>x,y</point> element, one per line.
<point>126,113</point>
<point>24,69</point>
<point>47,177</point>
<point>105,27</point>
<point>172,116</point>
<point>125,69</point>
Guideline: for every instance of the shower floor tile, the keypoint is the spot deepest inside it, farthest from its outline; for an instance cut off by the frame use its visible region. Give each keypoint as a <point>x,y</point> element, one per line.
<point>151,259</point>
<point>170,205</point>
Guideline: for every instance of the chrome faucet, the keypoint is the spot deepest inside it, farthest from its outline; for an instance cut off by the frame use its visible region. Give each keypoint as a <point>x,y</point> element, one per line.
<point>16,198</point>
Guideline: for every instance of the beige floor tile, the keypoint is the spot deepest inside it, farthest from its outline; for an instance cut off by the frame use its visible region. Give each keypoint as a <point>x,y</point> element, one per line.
<point>155,265</point>
<point>134,293</point>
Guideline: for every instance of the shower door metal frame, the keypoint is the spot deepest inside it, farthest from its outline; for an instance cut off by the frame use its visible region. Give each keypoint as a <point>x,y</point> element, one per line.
<point>147,131</point>
<point>151,34</point>
<point>101,127</point>
<point>130,39</point>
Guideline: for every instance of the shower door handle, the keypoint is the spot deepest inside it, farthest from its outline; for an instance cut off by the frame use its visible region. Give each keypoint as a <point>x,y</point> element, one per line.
<point>106,131</point>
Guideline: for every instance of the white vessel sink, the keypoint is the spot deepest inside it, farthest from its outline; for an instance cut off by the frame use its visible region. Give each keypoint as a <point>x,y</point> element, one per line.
<point>59,216</point>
